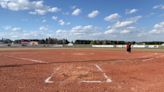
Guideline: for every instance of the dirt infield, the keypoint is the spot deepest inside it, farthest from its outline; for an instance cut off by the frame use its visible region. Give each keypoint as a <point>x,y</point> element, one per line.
<point>81,70</point>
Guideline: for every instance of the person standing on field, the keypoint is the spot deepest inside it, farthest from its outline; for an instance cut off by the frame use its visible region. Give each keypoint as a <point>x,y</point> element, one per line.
<point>128,47</point>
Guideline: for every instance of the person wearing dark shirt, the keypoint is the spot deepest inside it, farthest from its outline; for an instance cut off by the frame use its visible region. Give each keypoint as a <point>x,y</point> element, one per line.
<point>128,47</point>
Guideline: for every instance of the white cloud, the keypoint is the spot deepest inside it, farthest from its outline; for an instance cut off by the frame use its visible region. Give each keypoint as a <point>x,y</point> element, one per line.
<point>125,25</point>
<point>12,29</point>
<point>158,28</point>
<point>135,19</point>
<point>110,31</point>
<point>131,11</point>
<point>20,33</point>
<point>42,32</point>
<point>131,27</point>
<point>54,9</point>
<point>114,16</point>
<point>55,18</point>
<point>60,21</point>
<point>60,31</point>
<point>16,29</point>
<point>108,27</point>
<point>34,7</point>
<point>15,5</point>
<point>38,12</point>
<point>64,33</point>
<point>125,31</point>
<point>159,7</point>
<point>85,32</point>
<point>121,24</point>
<point>12,32</point>
<point>81,30</point>
<point>93,14</point>
<point>43,28</point>
<point>41,9</point>
<point>76,12</point>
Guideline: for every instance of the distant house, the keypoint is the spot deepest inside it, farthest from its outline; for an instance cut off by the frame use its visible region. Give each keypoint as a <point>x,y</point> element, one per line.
<point>29,42</point>
<point>34,43</point>
<point>70,44</point>
<point>25,42</point>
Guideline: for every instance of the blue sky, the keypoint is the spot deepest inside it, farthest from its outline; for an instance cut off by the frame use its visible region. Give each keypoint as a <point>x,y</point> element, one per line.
<point>137,20</point>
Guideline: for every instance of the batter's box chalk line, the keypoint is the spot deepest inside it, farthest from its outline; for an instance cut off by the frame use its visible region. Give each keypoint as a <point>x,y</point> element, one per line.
<point>108,80</point>
<point>48,80</point>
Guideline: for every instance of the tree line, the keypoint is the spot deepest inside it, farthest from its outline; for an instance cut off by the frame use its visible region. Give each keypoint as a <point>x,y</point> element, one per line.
<point>102,42</point>
<point>40,41</point>
<point>116,42</point>
<point>93,42</point>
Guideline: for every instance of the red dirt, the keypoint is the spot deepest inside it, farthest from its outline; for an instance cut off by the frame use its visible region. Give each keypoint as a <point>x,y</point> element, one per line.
<point>138,71</point>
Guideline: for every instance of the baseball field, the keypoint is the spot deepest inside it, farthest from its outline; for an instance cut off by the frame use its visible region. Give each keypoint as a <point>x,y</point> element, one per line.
<point>81,70</point>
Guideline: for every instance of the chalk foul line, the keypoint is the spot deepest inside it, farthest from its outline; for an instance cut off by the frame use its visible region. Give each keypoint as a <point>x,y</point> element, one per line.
<point>98,67</point>
<point>148,59</point>
<point>104,74</point>
<point>153,58</point>
<point>27,59</point>
<point>33,60</point>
